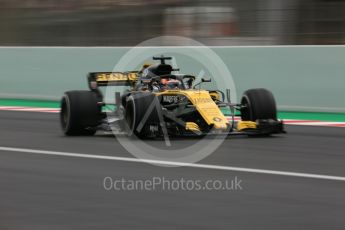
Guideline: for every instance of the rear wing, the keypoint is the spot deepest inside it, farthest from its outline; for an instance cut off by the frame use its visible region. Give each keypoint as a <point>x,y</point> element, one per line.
<point>112,78</point>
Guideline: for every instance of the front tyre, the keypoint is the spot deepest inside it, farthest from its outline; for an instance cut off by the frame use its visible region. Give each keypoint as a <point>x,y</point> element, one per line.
<point>140,112</point>
<point>258,104</point>
<point>80,113</point>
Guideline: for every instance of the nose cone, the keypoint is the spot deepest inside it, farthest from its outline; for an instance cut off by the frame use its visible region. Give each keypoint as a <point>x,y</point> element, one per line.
<point>219,123</point>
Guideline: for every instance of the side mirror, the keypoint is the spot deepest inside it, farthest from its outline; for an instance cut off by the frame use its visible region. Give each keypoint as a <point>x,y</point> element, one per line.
<point>202,81</point>
<point>205,80</point>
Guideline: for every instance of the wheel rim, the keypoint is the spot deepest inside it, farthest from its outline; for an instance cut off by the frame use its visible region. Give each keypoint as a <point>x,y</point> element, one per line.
<point>64,114</point>
<point>130,119</point>
<point>246,113</point>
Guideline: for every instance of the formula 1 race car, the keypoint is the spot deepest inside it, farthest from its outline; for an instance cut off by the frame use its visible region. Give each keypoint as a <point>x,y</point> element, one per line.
<point>158,102</point>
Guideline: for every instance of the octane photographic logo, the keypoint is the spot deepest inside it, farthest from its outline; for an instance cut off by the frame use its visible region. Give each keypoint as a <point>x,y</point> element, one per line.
<point>195,59</point>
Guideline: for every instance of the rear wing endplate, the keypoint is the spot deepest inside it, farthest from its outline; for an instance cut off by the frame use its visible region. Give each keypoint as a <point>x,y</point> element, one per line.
<point>113,78</point>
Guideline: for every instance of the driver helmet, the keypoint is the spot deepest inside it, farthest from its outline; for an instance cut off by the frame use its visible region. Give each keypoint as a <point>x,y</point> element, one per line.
<point>164,81</point>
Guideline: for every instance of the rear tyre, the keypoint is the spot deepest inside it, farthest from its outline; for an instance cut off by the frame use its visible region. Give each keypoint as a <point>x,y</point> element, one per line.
<point>124,98</point>
<point>258,104</point>
<point>80,113</point>
<point>137,114</point>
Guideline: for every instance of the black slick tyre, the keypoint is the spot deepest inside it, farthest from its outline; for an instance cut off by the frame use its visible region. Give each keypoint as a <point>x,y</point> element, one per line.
<point>80,113</point>
<point>140,112</point>
<point>258,104</point>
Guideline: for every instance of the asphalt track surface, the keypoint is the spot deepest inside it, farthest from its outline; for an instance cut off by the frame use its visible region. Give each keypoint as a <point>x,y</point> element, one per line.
<point>40,191</point>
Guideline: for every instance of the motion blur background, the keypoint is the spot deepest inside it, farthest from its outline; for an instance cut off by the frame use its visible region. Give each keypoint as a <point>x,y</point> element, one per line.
<point>212,22</point>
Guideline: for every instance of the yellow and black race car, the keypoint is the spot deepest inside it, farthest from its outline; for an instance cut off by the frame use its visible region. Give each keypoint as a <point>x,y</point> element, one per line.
<point>159,103</point>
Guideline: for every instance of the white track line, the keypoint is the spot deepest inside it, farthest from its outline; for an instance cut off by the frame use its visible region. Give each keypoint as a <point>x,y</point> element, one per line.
<point>172,163</point>
<point>172,47</point>
<point>29,109</point>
